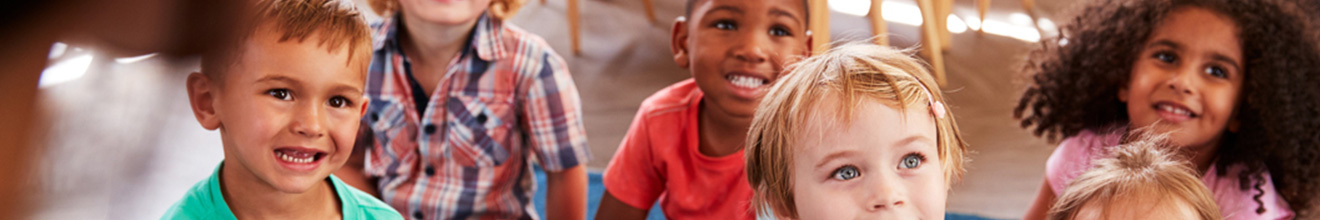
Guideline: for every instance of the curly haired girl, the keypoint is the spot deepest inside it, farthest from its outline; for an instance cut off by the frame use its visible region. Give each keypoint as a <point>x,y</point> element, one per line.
<point>1233,81</point>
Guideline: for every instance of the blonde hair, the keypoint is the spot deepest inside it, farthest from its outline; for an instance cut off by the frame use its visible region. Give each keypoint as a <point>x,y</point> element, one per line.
<point>1142,167</point>
<point>852,72</point>
<point>500,9</point>
<point>334,23</point>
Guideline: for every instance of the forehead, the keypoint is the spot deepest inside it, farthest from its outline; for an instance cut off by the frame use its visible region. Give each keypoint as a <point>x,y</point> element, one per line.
<point>795,8</point>
<point>1200,28</point>
<point>264,54</point>
<point>1146,207</point>
<point>872,124</point>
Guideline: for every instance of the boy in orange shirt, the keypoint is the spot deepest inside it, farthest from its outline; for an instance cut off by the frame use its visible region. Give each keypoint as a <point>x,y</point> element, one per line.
<point>685,146</point>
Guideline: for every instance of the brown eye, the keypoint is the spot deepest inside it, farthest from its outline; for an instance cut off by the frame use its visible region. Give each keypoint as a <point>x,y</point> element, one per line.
<point>726,25</point>
<point>339,102</point>
<point>1166,57</point>
<point>1217,72</point>
<point>282,94</point>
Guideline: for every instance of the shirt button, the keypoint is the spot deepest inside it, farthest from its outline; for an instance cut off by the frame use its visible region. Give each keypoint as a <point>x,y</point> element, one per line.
<point>430,129</point>
<point>375,116</point>
<point>417,215</point>
<point>430,170</point>
<point>481,118</point>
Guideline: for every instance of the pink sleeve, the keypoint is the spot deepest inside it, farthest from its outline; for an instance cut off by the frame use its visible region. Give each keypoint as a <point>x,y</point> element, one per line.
<point>632,176</point>
<point>1236,203</point>
<point>1069,160</point>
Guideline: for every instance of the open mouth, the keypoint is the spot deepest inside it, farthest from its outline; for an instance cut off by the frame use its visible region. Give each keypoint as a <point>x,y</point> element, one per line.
<point>1174,109</point>
<point>746,81</point>
<point>299,155</point>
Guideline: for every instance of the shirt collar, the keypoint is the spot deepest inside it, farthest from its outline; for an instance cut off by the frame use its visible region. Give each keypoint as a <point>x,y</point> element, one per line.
<point>485,38</point>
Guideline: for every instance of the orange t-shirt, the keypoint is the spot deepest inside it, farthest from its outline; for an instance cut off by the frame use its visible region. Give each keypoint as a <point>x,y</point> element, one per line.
<point>659,160</point>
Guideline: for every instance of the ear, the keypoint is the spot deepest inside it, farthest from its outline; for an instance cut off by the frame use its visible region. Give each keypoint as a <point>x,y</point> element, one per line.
<point>366,102</point>
<point>678,42</point>
<point>1123,94</point>
<point>201,96</point>
<point>811,44</point>
<point>1233,125</point>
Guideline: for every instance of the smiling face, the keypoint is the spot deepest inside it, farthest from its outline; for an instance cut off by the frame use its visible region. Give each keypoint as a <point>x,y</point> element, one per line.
<point>288,112</point>
<point>1188,78</point>
<point>445,12</point>
<point>734,49</point>
<point>884,164</point>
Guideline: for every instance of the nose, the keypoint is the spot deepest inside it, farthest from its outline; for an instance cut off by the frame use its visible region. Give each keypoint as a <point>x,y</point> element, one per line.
<point>887,194</point>
<point>752,48</point>
<point>307,121</point>
<point>1183,79</point>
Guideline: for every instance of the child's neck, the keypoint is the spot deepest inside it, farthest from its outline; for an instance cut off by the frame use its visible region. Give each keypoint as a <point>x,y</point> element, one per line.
<point>720,133</point>
<point>250,198</point>
<point>1202,157</point>
<point>431,43</point>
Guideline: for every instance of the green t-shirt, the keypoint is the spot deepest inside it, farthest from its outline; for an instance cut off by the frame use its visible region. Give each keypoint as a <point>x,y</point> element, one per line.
<point>205,201</point>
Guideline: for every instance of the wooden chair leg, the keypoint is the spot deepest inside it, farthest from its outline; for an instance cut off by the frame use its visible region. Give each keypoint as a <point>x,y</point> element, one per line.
<point>931,37</point>
<point>1030,7</point>
<point>650,10</point>
<point>542,2</point>
<point>943,8</point>
<point>982,6</point>
<point>878,25</point>
<point>575,26</point>
<point>819,26</point>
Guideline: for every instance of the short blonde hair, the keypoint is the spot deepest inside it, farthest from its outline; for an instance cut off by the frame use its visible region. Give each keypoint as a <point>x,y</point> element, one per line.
<point>1144,166</point>
<point>500,9</point>
<point>851,72</point>
<point>334,23</point>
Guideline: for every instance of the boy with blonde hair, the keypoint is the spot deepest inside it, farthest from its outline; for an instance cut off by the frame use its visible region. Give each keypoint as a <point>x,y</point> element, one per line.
<point>860,132</point>
<point>287,98</point>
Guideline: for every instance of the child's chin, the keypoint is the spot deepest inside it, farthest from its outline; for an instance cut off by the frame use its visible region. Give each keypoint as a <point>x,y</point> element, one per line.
<point>296,185</point>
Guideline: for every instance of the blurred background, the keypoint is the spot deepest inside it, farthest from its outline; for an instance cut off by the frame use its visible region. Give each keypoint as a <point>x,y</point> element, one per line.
<point>115,137</point>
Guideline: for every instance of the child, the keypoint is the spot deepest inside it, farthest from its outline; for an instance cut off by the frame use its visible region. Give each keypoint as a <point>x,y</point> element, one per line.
<point>685,147</point>
<point>462,103</point>
<point>860,132</point>
<point>1233,81</point>
<point>286,99</point>
<point>1138,180</point>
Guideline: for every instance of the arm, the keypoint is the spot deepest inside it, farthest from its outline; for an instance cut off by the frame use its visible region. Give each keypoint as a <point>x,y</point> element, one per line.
<point>1044,200</point>
<point>566,197</point>
<point>353,172</point>
<point>612,208</point>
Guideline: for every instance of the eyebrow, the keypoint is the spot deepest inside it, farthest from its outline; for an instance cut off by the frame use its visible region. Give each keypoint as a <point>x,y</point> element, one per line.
<point>1166,43</point>
<point>784,13</point>
<point>345,87</point>
<point>833,156</point>
<point>731,9</point>
<point>838,154</point>
<point>277,78</point>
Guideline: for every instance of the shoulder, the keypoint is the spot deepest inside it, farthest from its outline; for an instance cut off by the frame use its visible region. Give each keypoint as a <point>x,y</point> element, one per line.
<point>1238,203</point>
<point>369,206</point>
<point>525,46</point>
<point>197,203</point>
<point>673,100</point>
<point>1074,154</point>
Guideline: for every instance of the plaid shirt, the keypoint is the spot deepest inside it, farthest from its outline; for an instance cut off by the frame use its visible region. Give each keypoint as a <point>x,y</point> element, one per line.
<point>508,98</point>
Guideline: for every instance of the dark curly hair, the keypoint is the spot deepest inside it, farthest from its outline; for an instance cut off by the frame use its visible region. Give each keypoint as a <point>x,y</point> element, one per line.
<point>1075,79</point>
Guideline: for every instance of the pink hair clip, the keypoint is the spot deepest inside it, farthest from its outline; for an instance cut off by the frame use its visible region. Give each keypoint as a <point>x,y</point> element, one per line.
<point>936,107</point>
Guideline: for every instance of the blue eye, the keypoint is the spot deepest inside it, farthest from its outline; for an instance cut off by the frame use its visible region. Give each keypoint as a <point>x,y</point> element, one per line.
<point>282,94</point>
<point>911,161</point>
<point>1217,72</point>
<point>846,173</point>
<point>726,25</point>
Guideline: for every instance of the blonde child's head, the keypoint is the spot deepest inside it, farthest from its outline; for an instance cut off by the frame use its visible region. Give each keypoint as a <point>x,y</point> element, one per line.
<point>1142,179</point>
<point>861,130</point>
<point>287,97</point>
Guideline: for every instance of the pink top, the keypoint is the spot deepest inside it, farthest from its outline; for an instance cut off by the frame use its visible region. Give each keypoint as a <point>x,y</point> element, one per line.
<point>1074,155</point>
